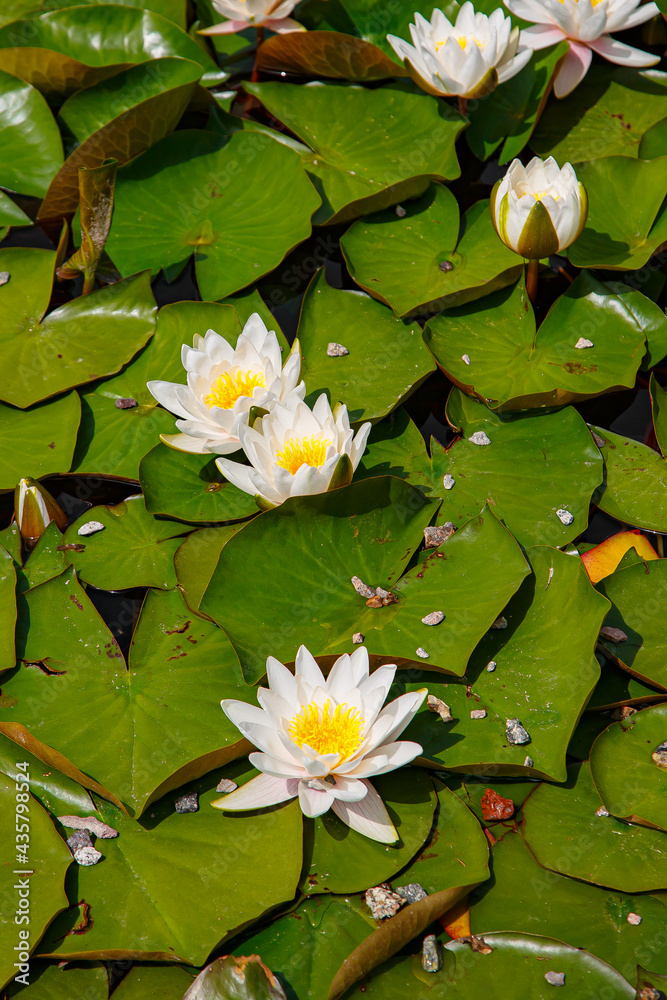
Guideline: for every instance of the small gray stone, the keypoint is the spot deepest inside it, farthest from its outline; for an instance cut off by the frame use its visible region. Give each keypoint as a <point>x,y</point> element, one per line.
<point>226,785</point>
<point>421,652</point>
<point>126,404</point>
<point>479,438</point>
<point>659,755</point>
<point>434,618</point>
<point>79,839</point>
<point>436,535</point>
<point>91,528</point>
<point>412,893</point>
<point>465,358</point>
<point>600,442</point>
<point>448,481</point>
<point>400,212</point>
<point>336,350</point>
<point>555,978</point>
<point>437,705</point>
<point>87,856</point>
<point>614,635</point>
<point>357,638</point>
<point>478,713</point>
<point>516,734</point>
<point>4,277</point>
<point>601,811</point>
<point>491,666</point>
<point>528,762</point>
<point>382,902</point>
<point>446,265</point>
<point>89,823</point>
<point>187,803</point>
<point>583,343</point>
<point>381,592</point>
<point>500,622</point>
<point>431,954</point>
<point>565,516</point>
<point>362,588</point>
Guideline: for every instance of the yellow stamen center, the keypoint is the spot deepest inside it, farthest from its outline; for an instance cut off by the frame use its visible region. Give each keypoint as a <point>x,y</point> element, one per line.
<point>226,388</point>
<point>463,42</point>
<point>340,731</point>
<point>302,451</point>
<point>539,195</point>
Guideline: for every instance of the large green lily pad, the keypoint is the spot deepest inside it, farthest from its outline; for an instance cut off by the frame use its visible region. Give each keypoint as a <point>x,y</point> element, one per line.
<point>622,235</point>
<point>354,171</point>
<point>254,203</point>
<point>387,358</point>
<point>312,547</point>
<point>44,863</point>
<point>630,783</point>
<point>58,983</point>
<point>89,337</point>
<point>135,549</point>
<point>635,481</point>
<point>529,899</point>
<point>637,594</point>
<point>7,610</point>
<point>196,558</point>
<point>164,982</point>
<point>525,683</point>
<point>31,150</point>
<point>513,366</point>
<point>182,882</point>
<point>398,260</point>
<point>568,832</point>
<point>60,795</point>
<point>39,441</point>
<point>64,50</point>
<point>659,410</point>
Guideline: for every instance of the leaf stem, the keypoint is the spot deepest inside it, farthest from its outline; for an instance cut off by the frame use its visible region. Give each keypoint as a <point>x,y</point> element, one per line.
<point>254,76</point>
<point>88,283</point>
<point>532,271</point>
<point>463,106</point>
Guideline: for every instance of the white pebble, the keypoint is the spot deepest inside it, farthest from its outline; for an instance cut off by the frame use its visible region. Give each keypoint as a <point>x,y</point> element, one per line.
<point>448,481</point>
<point>480,438</point>
<point>400,212</point>
<point>86,856</point>
<point>336,350</point>
<point>601,811</point>
<point>634,919</point>
<point>357,638</point>
<point>420,651</point>
<point>478,713</point>
<point>465,358</point>
<point>434,618</point>
<point>4,277</point>
<point>565,516</point>
<point>582,343</point>
<point>528,762</point>
<point>491,666</point>
<point>91,528</point>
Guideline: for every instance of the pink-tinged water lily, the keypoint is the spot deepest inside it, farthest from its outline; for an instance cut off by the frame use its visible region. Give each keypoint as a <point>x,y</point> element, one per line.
<point>467,59</point>
<point>322,740</point>
<point>34,509</point>
<point>540,209</point>
<point>242,14</point>
<point>224,383</point>
<point>295,451</point>
<point>586,25</point>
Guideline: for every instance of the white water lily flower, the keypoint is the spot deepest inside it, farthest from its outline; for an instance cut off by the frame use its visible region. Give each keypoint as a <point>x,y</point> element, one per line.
<point>242,14</point>
<point>295,451</point>
<point>224,383</point>
<point>323,739</point>
<point>467,59</point>
<point>585,24</point>
<point>540,209</point>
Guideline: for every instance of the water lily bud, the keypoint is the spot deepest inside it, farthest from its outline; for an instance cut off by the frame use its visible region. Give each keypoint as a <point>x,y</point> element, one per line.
<point>540,209</point>
<point>34,509</point>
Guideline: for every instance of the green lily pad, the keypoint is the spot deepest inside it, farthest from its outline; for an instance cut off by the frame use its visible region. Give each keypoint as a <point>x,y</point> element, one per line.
<point>107,121</point>
<point>157,223</point>
<point>46,354</point>
<point>326,54</point>
<point>39,441</point>
<point>191,488</point>
<point>339,860</point>
<point>563,830</point>
<point>607,115</point>
<point>312,547</point>
<point>172,9</point>
<point>64,50</point>
<point>11,215</point>
<point>182,882</point>
<point>659,409</point>
<point>63,984</point>
<point>60,795</point>
<point>517,959</point>
<point>532,900</point>
<point>44,562</point>
<point>654,141</point>
<point>135,549</point>
<point>163,982</point>
<point>513,367</point>
<point>31,150</point>
<point>196,558</point>
<point>140,731</point>
<point>398,260</point>
<point>45,861</point>
<point>623,750</point>
<point>536,470</point>
<point>617,687</point>
<point>623,238</point>
<point>371,20</point>
<point>354,172</point>
<point>387,358</point>
<point>524,684</point>
<point>635,482</point>
<point>637,596</point>
<point>7,610</point>
<point>396,447</point>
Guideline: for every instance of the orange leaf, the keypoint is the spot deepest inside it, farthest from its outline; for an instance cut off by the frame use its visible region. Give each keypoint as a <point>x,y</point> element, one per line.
<point>605,557</point>
<point>456,921</point>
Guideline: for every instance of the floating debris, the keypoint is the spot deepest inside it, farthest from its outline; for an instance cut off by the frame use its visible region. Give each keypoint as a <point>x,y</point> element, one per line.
<point>434,618</point>
<point>582,343</point>
<point>478,713</point>
<point>613,634</point>
<point>555,978</point>
<point>623,713</point>
<point>420,651</point>
<point>91,528</point>
<point>357,638</point>
<point>601,811</point>
<point>516,734</point>
<point>187,803</point>
<point>412,893</point>
<point>446,265</point>
<point>431,954</point>
<point>4,277</point>
<point>362,588</point>
<point>491,666</point>
<point>437,705</point>
<point>634,919</point>
<point>478,944</point>
<point>448,481</point>
<point>125,404</point>
<point>436,535</point>
<point>383,902</point>
<point>480,438</point>
<point>82,849</point>
<point>226,785</point>
<point>494,806</point>
<point>374,602</point>
<point>386,596</point>
<point>500,622</point>
<point>465,358</point>
<point>400,212</point>
<point>600,442</point>
<point>659,755</point>
<point>528,762</point>
<point>89,823</point>
<point>336,350</point>
<point>565,516</point>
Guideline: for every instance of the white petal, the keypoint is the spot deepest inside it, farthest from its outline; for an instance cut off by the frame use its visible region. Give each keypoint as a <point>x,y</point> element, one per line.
<point>278,767</point>
<point>314,802</point>
<point>281,680</point>
<point>264,790</point>
<point>306,667</point>
<point>623,55</point>
<point>368,817</point>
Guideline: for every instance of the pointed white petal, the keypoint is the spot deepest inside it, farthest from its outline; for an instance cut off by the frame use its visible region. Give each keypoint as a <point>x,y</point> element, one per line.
<point>264,790</point>
<point>368,816</point>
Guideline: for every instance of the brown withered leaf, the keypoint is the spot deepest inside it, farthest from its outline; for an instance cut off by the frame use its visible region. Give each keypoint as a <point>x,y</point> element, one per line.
<point>329,54</point>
